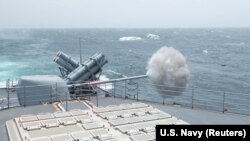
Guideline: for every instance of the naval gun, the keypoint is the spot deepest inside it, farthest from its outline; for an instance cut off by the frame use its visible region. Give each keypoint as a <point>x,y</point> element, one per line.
<point>74,72</point>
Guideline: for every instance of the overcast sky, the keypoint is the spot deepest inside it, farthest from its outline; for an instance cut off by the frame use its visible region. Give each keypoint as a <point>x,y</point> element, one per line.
<point>124,13</point>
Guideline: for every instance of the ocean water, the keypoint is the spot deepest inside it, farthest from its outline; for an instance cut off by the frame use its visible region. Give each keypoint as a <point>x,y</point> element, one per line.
<point>218,59</point>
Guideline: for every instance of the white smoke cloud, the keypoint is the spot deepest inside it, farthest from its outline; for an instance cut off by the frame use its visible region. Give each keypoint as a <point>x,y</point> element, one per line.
<point>168,71</point>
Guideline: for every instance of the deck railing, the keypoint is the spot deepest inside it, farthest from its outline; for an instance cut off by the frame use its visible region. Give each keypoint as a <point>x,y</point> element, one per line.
<point>140,90</point>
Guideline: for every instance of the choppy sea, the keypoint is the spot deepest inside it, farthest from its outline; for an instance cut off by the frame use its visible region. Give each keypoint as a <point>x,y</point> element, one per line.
<point>218,59</point>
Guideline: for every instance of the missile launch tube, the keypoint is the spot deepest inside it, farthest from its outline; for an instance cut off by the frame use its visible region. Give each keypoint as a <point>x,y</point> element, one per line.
<point>85,71</point>
<point>92,71</point>
<point>67,59</point>
<point>62,63</point>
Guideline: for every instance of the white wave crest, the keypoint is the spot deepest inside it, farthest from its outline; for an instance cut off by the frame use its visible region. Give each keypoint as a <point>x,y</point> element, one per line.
<point>106,86</point>
<point>113,74</point>
<point>13,82</point>
<point>2,84</point>
<point>130,38</point>
<point>205,51</point>
<point>10,65</point>
<point>153,36</point>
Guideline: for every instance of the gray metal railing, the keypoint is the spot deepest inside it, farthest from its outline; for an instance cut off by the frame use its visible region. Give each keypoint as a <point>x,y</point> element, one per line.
<point>140,90</point>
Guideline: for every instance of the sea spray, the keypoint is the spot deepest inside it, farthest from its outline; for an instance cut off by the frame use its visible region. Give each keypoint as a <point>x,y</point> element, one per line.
<point>168,71</point>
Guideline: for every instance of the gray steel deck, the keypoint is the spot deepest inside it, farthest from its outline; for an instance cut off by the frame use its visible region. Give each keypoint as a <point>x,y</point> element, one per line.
<point>17,112</point>
<point>74,105</point>
<point>192,116</point>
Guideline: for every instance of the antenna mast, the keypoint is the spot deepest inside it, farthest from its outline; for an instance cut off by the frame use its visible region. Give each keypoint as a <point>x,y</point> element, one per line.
<point>80,50</point>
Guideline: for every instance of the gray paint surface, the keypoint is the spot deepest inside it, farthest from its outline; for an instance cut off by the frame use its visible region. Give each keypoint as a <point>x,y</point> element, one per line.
<point>37,89</point>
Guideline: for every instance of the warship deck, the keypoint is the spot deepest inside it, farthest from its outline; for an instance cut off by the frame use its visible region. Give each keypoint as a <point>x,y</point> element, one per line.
<point>191,116</point>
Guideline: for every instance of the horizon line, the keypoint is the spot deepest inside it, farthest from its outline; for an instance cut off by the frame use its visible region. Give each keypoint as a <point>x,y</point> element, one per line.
<point>243,27</point>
